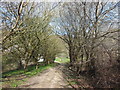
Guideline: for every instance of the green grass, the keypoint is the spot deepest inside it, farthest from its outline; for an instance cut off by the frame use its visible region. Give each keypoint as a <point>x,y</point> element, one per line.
<point>72,82</point>
<point>13,72</point>
<point>31,71</point>
<point>62,60</point>
<point>16,84</point>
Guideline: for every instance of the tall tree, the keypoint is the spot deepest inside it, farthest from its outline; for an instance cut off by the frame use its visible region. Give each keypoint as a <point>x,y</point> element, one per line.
<point>81,27</point>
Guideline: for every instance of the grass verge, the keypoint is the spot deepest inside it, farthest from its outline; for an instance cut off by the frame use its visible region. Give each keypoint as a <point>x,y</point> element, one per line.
<point>62,60</point>
<point>15,78</point>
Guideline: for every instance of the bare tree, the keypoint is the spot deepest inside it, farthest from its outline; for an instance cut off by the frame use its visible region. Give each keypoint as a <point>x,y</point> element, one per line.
<point>82,27</point>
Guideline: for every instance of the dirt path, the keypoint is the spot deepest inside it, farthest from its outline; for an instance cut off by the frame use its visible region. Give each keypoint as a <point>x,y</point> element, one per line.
<point>51,78</point>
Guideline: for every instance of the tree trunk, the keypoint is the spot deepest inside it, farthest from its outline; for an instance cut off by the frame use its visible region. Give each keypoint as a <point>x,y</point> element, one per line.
<point>71,55</point>
<point>26,64</point>
<point>37,66</point>
<point>20,65</point>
